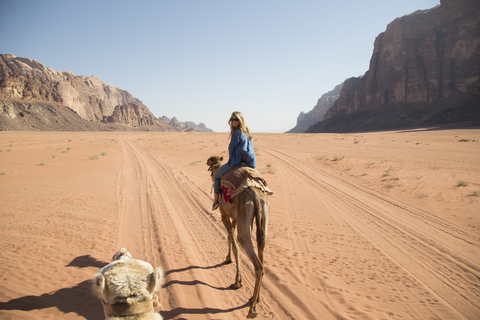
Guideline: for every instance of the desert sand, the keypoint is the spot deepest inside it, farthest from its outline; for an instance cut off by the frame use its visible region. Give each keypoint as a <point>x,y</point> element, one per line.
<point>380,225</point>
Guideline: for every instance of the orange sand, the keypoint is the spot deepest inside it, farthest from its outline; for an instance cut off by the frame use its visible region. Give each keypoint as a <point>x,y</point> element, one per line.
<point>362,226</point>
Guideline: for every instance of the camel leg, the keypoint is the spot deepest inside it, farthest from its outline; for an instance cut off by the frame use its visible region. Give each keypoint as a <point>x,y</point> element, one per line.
<point>245,224</point>
<point>230,229</point>
<point>261,246</point>
<point>238,277</point>
<point>246,241</point>
<point>230,225</point>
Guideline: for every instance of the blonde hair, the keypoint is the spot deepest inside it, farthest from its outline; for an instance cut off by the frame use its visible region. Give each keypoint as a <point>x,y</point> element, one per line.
<point>241,125</point>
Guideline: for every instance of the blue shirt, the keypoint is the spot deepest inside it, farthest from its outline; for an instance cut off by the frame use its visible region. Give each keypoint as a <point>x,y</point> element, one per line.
<point>239,146</point>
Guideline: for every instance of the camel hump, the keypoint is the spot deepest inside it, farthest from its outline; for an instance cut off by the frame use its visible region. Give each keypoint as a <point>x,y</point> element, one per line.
<point>240,178</point>
<point>234,178</point>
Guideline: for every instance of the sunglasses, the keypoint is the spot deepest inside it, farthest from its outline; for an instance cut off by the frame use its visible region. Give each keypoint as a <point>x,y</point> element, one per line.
<point>233,119</point>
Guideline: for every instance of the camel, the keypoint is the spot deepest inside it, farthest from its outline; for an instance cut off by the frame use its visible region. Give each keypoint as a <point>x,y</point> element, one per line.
<point>127,288</point>
<point>249,204</point>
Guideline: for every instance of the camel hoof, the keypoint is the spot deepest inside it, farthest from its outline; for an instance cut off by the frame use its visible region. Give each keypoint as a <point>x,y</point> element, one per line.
<point>228,261</point>
<point>251,315</point>
<point>236,286</point>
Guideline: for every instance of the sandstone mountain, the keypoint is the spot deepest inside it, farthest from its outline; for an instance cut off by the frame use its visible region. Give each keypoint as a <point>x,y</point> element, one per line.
<point>425,70</point>
<point>34,97</point>
<point>200,126</point>
<point>326,101</point>
<point>26,116</point>
<point>185,126</point>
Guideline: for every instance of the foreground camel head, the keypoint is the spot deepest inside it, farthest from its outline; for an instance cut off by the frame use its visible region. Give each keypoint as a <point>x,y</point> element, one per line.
<point>127,288</point>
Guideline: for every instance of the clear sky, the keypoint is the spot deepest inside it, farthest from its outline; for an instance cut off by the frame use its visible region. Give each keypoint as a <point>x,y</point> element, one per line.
<point>199,60</point>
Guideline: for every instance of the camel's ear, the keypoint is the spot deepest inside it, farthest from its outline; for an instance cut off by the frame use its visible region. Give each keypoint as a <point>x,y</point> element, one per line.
<point>156,278</point>
<point>99,284</point>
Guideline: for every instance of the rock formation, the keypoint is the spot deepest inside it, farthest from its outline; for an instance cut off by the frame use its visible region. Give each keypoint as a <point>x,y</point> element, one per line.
<point>305,120</point>
<point>202,127</point>
<point>185,126</point>
<point>425,70</point>
<point>26,116</point>
<point>33,96</point>
<point>132,114</point>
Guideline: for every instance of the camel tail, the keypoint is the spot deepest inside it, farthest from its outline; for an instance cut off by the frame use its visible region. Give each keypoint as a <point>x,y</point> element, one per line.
<point>259,220</point>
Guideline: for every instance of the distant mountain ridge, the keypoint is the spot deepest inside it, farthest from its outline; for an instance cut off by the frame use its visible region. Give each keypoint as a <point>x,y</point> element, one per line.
<point>326,101</point>
<point>185,126</point>
<point>424,71</point>
<point>34,97</point>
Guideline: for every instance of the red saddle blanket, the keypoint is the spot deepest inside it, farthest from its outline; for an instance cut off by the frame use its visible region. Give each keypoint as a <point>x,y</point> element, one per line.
<point>236,180</point>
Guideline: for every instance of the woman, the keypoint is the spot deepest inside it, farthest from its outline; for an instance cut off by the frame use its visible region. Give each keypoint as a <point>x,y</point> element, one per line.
<point>240,147</point>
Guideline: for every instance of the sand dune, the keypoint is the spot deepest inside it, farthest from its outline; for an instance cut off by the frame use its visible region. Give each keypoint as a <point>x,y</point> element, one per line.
<point>362,226</point>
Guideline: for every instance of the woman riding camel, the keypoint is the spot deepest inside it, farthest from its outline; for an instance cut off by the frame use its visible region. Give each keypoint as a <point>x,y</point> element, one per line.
<point>240,150</point>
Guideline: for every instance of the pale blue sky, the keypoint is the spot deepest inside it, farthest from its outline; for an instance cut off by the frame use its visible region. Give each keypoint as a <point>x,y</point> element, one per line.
<point>199,60</point>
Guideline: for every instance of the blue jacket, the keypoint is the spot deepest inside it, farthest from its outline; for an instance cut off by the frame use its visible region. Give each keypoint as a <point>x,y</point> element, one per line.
<point>239,146</point>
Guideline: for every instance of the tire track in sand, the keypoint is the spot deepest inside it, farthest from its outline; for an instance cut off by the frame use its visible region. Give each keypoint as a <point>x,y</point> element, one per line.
<point>440,256</point>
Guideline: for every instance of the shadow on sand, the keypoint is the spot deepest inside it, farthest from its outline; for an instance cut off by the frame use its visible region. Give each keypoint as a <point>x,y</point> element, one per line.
<point>195,267</point>
<point>86,261</point>
<point>78,299</point>
<point>194,282</point>
<point>197,311</point>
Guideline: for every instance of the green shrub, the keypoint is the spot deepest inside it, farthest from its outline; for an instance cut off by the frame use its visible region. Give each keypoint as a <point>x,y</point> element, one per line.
<point>462,183</point>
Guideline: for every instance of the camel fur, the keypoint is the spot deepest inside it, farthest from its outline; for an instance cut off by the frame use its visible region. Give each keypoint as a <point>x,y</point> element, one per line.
<point>248,205</point>
<point>127,288</point>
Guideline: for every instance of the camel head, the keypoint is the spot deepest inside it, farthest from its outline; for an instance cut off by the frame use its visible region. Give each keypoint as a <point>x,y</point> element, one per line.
<point>127,286</point>
<point>214,163</point>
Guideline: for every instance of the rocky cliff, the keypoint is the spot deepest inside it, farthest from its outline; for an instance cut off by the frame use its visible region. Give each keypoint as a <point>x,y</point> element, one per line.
<point>26,116</point>
<point>424,70</point>
<point>326,101</point>
<point>34,97</point>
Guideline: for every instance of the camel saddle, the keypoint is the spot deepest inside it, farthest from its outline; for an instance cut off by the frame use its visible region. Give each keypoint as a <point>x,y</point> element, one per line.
<point>240,178</point>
